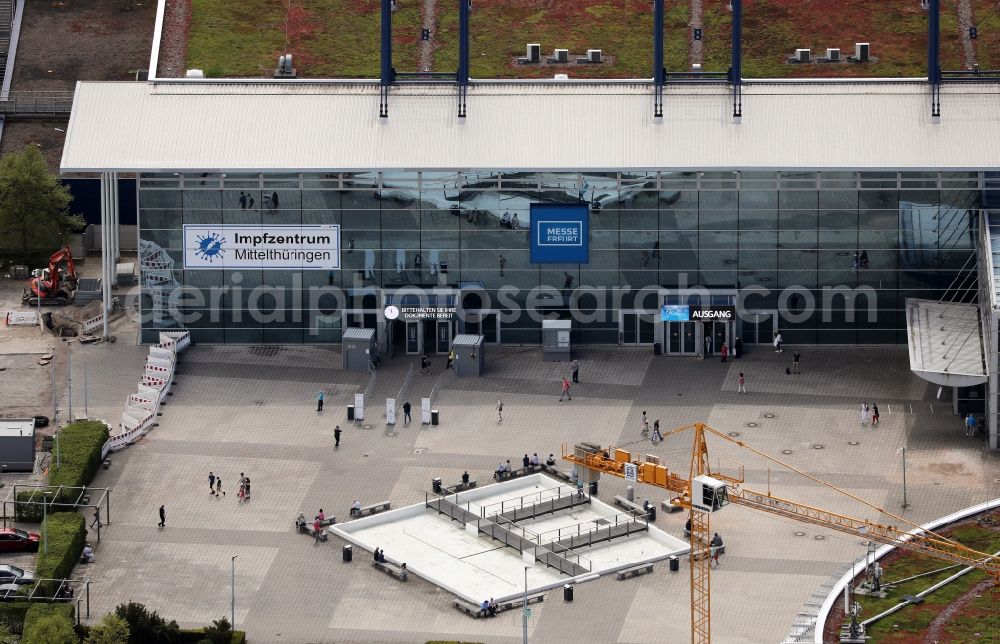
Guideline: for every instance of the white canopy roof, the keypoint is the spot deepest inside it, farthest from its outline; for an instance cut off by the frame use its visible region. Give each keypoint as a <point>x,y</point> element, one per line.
<point>135,126</point>
<point>945,342</point>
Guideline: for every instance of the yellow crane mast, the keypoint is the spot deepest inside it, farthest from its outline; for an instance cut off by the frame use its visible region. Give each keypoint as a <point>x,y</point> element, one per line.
<point>704,492</point>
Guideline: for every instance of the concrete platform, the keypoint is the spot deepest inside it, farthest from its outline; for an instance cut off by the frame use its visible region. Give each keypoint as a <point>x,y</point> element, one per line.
<point>472,566</point>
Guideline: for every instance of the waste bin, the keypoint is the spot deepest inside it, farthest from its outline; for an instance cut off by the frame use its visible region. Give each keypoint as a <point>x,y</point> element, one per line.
<point>593,488</point>
<point>651,512</point>
<point>657,348</point>
<point>348,553</point>
<point>435,417</point>
<point>350,412</point>
<point>675,563</point>
<point>568,593</point>
<point>436,484</point>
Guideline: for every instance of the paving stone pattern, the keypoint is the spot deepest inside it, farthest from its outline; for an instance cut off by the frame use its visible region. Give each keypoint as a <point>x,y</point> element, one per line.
<point>252,410</point>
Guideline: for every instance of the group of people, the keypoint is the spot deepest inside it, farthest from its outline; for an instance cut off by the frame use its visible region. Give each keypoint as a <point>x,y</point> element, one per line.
<point>215,486</point>
<point>716,547</point>
<point>644,428</point>
<point>488,608</point>
<point>504,470</point>
<point>379,555</point>
<point>869,414</point>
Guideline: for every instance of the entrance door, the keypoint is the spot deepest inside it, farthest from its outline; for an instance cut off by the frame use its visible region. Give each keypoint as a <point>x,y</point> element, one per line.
<point>682,338</point>
<point>444,335</point>
<point>413,333</point>
<point>759,327</point>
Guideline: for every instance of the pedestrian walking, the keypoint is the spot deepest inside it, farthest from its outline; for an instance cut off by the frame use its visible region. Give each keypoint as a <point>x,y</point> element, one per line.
<point>778,341</point>
<point>874,414</point>
<point>249,201</point>
<point>336,434</point>
<point>970,425</point>
<point>742,388</point>
<point>864,259</point>
<point>657,436</point>
<point>576,371</point>
<point>425,365</point>
<point>319,401</point>
<point>406,412</point>
<point>163,517</point>
<point>451,359</point>
<point>316,528</point>
<point>565,390</point>
<point>211,483</point>
<point>274,202</point>
<point>218,486</point>
<point>97,519</point>
<point>864,413</point>
<point>796,358</point>
<point>243,200</point>
<point>718,548</point>
<point>644,424</point>
<point>500,409</point>
<point>503,263</point>
<point>724,352</point>
<point>246,489</point>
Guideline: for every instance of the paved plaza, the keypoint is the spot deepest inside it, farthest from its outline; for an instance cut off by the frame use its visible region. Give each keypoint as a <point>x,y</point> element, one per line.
<point>252,409</point>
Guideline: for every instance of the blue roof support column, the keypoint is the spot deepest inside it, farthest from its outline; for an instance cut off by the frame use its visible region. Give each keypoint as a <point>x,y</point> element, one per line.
<point>464,6</point>
<point>736,70</point>
<point>388,73</point>
<point>934,55</point>
<point>659,72</point>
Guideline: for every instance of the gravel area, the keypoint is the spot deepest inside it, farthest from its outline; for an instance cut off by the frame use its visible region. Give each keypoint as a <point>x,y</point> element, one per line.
<point>173,42</point>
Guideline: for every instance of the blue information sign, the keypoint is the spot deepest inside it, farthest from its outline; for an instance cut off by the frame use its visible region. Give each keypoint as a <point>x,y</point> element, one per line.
<point>675,313</point>
<point>560,234</point>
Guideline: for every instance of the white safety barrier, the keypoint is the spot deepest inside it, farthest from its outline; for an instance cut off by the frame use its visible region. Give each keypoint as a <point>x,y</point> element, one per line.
<point>19,318</point>
<point>93,324</point>
<point>141,407</point>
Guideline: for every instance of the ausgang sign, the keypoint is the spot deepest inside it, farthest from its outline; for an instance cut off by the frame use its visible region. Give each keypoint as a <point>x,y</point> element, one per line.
<point>273,247</point>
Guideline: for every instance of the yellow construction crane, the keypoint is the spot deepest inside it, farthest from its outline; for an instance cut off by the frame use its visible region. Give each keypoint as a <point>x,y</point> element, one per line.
<point>704,492</point>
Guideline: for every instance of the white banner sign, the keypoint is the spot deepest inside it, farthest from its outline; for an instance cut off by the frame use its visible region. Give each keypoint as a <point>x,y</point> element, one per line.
<point>359,406</point>
<point>425,411</point>
<point>631,472</point>
<point>390,411</point>
<point>272,247</point>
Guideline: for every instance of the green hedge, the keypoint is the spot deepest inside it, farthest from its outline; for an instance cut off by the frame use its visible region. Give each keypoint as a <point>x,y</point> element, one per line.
<point>12,615</point>
<point>80,446</point>
<point>66,533</point>
<point>196,635</point>
<point>37,613</point>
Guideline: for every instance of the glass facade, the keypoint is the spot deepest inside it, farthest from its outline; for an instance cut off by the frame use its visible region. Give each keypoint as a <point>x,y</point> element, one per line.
<point>836,253</point>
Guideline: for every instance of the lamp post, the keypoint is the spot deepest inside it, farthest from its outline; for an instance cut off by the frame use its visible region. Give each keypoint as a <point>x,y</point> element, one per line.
<point>86,409</point>
<point>528,559</point>
<point>232,602</point>
<point>69,378</point>
<point>45,526</point>
<point>902,450</point>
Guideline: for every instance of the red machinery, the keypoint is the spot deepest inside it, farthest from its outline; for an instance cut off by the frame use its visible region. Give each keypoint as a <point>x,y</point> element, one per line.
<point>55,284</point>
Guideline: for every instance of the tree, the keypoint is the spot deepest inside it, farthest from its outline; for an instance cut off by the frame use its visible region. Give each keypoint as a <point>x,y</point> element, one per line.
<point>54,628</point>
<point>34,205</point>
<point>6,636</point>
<point>112,629</point>
<point>147,626</point>
<point>220,632</point>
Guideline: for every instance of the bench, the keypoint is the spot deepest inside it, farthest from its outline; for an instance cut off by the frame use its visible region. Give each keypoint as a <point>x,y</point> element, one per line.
<point>634,571</point>
<point>521,471</point>
<point>510,604</point>
<point>374,508</point>
<point>460,487</point>
<point>670,507</point>
<point>557,473</point>
<point>388,567</point>
<point>630,505</point>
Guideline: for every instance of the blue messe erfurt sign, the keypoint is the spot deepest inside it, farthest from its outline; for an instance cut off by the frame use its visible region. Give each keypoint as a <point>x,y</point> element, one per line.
<point>560,234</point>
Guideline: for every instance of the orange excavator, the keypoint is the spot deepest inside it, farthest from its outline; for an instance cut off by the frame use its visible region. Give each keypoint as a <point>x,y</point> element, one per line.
<point>55,284</point>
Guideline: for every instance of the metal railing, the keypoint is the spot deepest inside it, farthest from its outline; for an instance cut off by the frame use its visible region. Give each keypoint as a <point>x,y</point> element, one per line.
<point>533,499</point>
<point>36,103</point>
<point>558,534</point>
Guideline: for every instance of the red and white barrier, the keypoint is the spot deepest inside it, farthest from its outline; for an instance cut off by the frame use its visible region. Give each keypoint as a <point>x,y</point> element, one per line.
<point>141,407</point>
